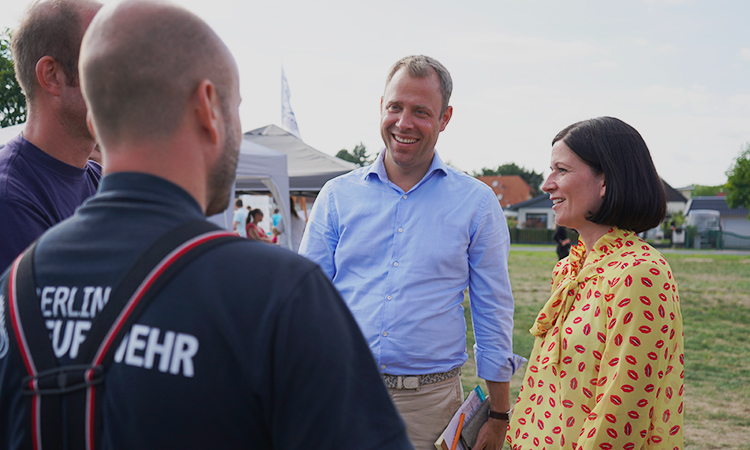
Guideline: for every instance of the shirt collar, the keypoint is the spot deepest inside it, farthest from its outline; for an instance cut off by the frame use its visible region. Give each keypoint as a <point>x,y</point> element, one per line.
<point>44,159</point>
<point>149,188</point>
<point>612,241</point>
<point>377,169</point>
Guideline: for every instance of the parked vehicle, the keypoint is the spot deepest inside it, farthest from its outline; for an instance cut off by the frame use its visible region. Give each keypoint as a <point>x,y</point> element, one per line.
<point>707,223</point>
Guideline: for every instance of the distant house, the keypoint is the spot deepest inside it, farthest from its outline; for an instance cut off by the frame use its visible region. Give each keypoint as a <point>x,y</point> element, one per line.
<point>534,213</point>
<point>686,191</point>
<point>537,212</point>
<point>676,202</point>
<point>509,189</point>
<point>733,220</point>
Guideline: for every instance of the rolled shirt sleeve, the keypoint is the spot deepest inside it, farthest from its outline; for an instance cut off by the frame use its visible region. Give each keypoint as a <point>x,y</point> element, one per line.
<point>490,294</point>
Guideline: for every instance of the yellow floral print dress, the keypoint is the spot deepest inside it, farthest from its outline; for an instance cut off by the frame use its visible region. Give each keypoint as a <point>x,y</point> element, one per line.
<point>606,371</point>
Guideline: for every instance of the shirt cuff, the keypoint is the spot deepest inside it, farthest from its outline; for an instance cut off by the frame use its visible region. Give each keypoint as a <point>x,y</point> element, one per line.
<point>498,365</point>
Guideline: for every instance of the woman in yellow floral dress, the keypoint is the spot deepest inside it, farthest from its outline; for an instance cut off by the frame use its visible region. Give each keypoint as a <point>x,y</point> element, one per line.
<point>606,371</point>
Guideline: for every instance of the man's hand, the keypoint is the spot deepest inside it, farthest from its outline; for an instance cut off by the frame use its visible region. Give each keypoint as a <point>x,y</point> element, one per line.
<point>492,435</point>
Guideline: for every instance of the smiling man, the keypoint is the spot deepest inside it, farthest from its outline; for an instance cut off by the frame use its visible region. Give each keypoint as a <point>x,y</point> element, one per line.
<point>402,239</point>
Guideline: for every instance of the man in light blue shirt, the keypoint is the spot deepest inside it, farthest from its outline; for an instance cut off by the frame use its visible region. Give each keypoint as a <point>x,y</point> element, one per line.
<point>240,218</point>
<point>401,240</point>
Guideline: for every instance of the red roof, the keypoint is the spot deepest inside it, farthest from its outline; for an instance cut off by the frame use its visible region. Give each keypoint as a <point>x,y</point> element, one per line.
<point>509,189</point>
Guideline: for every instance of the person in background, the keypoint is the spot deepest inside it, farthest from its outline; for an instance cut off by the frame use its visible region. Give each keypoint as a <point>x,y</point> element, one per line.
<point>297,225</point>
<point>402,239</point>
<point>276,217</point>
<point>253,228</point>
<point>209,363</point>
<point>563,243</point>
<point>45,172</point>
<point>607,366</point>
<point>240,218</point>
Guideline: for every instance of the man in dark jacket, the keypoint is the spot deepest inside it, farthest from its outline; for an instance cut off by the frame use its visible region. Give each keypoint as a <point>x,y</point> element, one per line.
<point>230,353</point>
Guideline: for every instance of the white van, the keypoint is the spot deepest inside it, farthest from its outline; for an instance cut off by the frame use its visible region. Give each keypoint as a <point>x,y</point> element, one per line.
<point>705,221</point>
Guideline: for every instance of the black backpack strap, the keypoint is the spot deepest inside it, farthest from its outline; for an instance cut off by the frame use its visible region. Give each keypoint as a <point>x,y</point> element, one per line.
<point>70,391</point>
<point>31,338</point>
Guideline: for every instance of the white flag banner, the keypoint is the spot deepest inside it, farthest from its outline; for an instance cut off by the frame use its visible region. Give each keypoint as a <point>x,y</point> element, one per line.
<point>288,121</point>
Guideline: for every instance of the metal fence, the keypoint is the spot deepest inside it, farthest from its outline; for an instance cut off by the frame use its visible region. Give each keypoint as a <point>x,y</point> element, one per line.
<point>720,240</point>
<point>540,236</point>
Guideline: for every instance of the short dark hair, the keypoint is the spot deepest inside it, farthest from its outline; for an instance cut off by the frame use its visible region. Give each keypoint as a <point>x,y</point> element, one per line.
<point>48,28</point>
<point>238,202</point>
<point>634,198</point>
<point>421,66</point>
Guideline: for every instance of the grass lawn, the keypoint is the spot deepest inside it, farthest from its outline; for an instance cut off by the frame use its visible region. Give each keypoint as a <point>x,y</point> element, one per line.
<point>715,301</point>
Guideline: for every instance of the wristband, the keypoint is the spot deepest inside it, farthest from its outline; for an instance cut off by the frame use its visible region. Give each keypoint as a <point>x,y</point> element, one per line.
<point>500,415</point>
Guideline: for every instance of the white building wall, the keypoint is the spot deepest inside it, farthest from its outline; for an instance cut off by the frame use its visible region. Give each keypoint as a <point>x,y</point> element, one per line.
<point>549,212</point>
<point>676,207</point>
<point>736,225</point>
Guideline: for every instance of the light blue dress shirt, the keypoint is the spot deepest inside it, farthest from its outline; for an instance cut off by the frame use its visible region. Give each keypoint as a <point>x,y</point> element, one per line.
<point>402,260</point>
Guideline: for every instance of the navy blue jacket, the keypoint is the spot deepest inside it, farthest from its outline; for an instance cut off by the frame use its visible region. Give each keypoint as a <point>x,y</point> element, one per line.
<point>250,346</point>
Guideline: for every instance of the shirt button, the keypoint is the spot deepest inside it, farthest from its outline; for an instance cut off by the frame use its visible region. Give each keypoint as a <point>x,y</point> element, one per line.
<point>405,196</point>
<point>385,333</point>
<point>400,230</point>
<point>389,297</point>
<point>383,367</point>
<point>395,264</point>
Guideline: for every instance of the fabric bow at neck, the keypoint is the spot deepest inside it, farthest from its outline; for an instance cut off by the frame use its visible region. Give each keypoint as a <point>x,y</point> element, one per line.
<point>549,322</point>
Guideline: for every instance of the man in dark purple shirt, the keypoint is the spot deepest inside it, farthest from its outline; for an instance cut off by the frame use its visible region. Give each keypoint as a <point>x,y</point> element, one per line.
<point>45,173</point>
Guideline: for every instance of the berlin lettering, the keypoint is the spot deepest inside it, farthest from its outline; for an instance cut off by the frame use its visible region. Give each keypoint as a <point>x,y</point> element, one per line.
<point>60,301</point>
<point>70,311</point>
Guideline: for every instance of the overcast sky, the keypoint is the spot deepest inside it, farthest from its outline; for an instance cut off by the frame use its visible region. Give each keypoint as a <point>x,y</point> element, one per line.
<point>676,70</point>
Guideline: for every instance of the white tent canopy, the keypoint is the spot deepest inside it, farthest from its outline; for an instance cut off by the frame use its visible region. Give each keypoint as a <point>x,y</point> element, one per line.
<point>260,169</point>
<point>309,169</point>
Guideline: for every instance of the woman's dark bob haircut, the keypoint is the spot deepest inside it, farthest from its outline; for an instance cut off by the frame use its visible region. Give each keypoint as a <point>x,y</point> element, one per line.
<point>634,197</point>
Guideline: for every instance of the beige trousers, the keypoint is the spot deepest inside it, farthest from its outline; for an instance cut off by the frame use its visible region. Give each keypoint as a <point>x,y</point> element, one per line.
<point>428,410</point>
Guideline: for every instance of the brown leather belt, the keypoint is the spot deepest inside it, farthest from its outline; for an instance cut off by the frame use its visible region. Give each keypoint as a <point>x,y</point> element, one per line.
<point>415,381</point>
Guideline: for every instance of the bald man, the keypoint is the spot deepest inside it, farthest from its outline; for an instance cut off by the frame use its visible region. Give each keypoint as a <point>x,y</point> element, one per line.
<point>223,357</point>
<point>45,172</point>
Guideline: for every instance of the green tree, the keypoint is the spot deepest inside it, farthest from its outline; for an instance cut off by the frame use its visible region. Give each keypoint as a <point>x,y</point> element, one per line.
<point>358,156</point>
<point>535,180</point>
<point>706,191</point>
<point>12,100</point>
<point>738,181</point>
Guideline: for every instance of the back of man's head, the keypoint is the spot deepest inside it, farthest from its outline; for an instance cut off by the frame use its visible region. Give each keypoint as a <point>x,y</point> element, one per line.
<point>49,28</point>
<point>141,62</point>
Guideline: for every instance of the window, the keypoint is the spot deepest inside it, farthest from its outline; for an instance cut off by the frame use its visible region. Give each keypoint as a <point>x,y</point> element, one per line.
<point>535,220</point>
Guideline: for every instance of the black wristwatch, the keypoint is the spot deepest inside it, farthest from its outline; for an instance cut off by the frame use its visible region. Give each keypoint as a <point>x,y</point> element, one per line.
<point>500,415</point>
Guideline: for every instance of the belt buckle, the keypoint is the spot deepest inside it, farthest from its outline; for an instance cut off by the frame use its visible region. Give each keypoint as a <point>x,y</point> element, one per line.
<point>410,382</point>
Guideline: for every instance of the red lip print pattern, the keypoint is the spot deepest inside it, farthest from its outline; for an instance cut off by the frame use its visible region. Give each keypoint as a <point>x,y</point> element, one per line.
<point>615,324</point>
